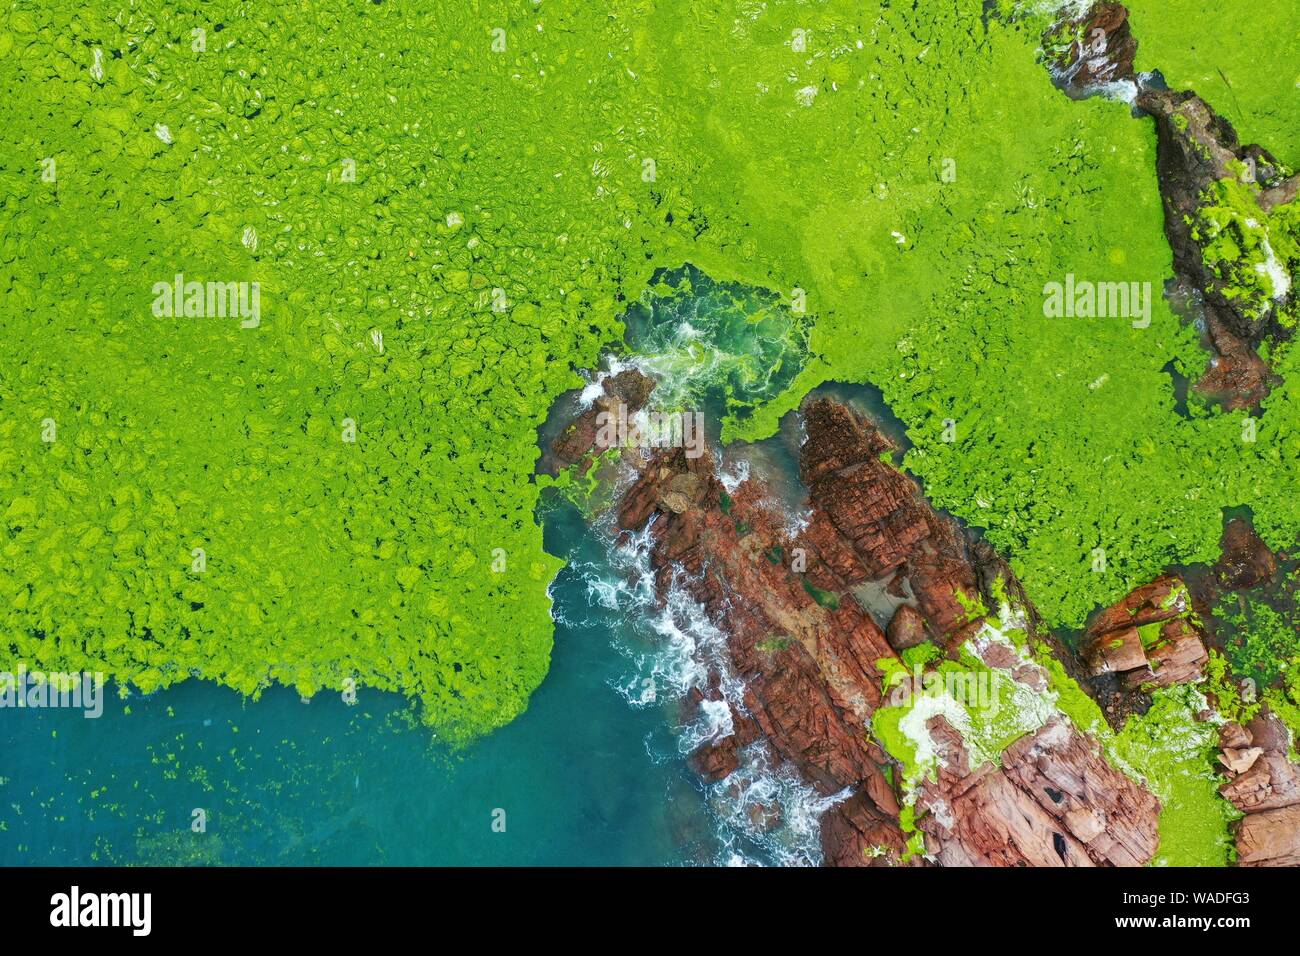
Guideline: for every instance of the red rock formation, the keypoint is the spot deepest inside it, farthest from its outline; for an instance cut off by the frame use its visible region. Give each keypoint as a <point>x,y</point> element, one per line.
<point>807,652</point>
<point>1195,148</point>
<point>808,665</point>
<point>1263,784</point>
<point>1113,642</point>
<point>629,390</point>
<point>858,833</point>
<point>1052,800</point>
<point>1055,801</point>
<point>882,517</point>
<point>906,628</point>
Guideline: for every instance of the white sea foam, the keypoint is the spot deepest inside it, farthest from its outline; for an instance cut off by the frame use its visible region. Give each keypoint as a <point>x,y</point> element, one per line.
<point>735,475</point>
<point>1125,91</point>
<point>767,805</point>
<point>1271,267</point>
<point>595,386</point>
<point>763,811</point>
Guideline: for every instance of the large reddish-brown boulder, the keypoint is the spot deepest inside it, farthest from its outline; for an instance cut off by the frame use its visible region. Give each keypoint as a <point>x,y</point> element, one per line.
<point>1149,638</point>
<point>1246,560</point>
<point>906,628</point>
<point>1264,785</point>
<point>1269,838</point>
<point>716,760</point>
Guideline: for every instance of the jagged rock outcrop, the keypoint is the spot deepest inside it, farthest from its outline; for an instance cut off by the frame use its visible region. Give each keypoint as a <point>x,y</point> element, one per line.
<point>1055,801</point>
<point>806,655</point>
<point>1096,48</point>
<point>1150,638</point>
<point>1264,784</point>
<point>871,521</point>
<point>807,652</point>
<point>1196,148</point>
<point>623,396</point>
<point>811,659</point>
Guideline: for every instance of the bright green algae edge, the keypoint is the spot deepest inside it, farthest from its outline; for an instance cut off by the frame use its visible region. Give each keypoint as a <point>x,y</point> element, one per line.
<point>329,559</point>
<point>1243,59</point>
<point>1170,749</point>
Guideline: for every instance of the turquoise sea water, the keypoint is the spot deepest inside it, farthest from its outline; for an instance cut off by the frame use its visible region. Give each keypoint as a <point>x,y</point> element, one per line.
<point>593,773</point>
<point>583,777</point>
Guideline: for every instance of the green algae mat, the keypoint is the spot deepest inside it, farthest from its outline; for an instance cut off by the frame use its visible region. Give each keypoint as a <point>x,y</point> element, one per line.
<point>288,290</point>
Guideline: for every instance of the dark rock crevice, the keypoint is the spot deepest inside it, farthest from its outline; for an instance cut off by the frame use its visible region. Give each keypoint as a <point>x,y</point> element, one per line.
<point>1195,149</point>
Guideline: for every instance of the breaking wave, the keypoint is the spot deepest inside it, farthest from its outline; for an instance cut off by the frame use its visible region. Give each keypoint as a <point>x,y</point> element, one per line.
<point>763,812</point>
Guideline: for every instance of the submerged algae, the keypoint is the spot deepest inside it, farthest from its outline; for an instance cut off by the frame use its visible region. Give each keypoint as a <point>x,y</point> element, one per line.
<point>1261,639</point>
<point>700,339</point>
<point>357,471</point>
<point>1259,631</point>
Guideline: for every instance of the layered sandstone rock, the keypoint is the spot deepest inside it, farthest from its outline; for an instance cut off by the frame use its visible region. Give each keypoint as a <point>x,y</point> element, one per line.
<point>807,653</point>
<point>1054,801</point>
<point>1150,638</point>
<point>870,520</point>
<point>1269,838</point>
<point>1263,784</point>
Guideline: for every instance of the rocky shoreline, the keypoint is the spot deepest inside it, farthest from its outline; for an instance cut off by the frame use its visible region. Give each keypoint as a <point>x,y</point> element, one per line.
<point>1196,149</point>
<point>810,657</point>
<point>834,622</point>
<point>816,665</point>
